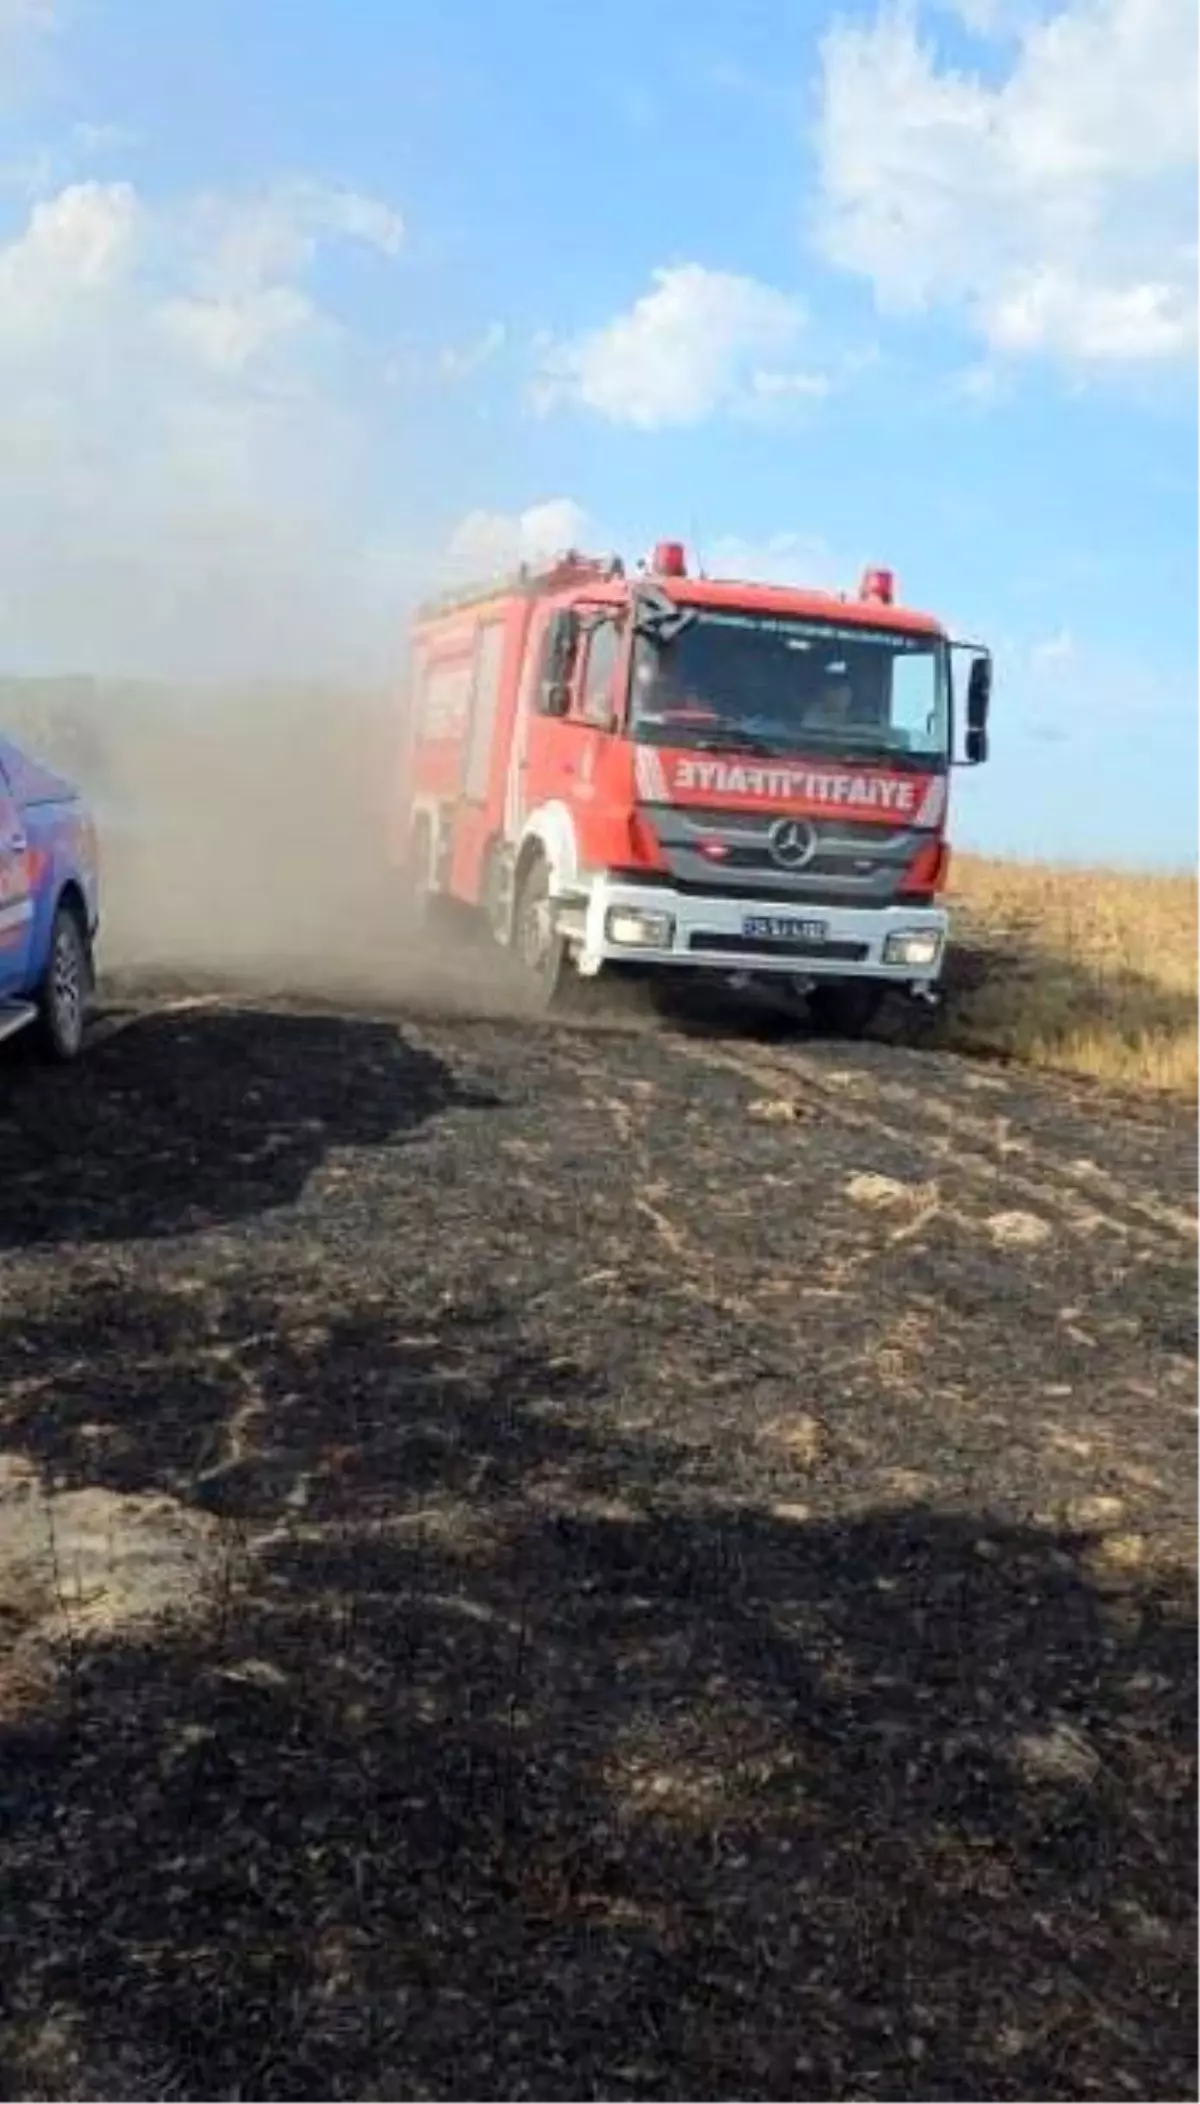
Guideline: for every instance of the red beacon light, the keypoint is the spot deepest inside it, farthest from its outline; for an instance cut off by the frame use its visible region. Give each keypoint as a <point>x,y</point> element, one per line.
<point>670,559</point>
<point>879,585</point>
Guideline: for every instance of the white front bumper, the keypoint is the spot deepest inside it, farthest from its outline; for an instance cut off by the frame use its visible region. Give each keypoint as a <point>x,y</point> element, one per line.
<point>700,924</point>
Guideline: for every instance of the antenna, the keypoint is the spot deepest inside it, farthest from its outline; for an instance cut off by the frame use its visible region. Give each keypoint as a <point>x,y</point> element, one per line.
<point>695,524</point>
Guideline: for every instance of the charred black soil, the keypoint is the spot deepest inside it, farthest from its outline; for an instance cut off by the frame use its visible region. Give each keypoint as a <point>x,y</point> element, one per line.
<point>693,1569</point>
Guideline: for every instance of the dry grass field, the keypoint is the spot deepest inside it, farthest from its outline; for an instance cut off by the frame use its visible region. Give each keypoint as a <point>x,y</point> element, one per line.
<point>1091,971</point>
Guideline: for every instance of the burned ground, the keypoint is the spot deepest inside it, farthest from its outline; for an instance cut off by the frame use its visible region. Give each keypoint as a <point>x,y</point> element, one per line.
<point>693,1550</point>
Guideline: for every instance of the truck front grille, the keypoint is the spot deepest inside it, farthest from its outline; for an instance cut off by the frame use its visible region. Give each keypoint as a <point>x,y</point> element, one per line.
<point>755,946</point>
<point>855,862</point>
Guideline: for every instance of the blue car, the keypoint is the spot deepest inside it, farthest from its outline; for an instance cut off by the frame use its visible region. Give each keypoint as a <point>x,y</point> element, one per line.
<point>49,904</point>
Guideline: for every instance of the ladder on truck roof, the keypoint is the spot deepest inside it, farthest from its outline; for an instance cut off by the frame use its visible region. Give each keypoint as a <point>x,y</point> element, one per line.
<point>571,568</point>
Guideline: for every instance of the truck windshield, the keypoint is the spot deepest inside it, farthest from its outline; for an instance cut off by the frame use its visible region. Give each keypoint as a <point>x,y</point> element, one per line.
<point>762,683</point>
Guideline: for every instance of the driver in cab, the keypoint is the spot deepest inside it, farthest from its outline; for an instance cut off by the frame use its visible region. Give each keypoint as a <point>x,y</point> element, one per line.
<point>838,707</point>
<point>833,707</point>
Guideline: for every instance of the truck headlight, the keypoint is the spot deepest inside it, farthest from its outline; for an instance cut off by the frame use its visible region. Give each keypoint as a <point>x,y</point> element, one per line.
<point>635,930</point>
<point>916,947</point>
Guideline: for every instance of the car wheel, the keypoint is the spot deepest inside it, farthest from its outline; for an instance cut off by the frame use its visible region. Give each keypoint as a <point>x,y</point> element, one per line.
<point>66,984</point>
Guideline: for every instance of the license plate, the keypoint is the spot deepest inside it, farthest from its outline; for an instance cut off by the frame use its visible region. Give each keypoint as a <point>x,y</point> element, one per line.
<point>776,927</point>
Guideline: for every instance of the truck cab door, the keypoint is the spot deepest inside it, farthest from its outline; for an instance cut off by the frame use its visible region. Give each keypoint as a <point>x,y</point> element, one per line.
<point>16,894</point>
<point>598,763</point>
<point>559,749</point>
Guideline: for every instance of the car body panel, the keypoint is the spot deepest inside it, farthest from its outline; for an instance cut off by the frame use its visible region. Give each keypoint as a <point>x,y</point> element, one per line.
<point>47,854</point>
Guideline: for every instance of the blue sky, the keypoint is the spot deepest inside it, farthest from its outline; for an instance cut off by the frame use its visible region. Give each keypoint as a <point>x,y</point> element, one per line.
<point>303,306</point>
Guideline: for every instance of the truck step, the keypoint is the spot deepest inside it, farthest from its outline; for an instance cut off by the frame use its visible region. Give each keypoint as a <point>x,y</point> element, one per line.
<point>14,1015</point>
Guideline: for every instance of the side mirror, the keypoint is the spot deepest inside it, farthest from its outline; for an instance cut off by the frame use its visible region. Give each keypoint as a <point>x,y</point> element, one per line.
<point>975,745</point>
<point>558,660</point>
<point>979,696</point>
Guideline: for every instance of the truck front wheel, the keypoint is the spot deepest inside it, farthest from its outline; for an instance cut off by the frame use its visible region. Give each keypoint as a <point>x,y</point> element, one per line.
<point>63,995</point>
<point>540,949</point>
<point>844,1007</point>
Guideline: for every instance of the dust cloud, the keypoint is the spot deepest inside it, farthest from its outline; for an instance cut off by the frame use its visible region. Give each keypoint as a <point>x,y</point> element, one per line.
<point>248,834</point>
<point>251,843</point>
<point>247,831</point>
<point>241,744</point>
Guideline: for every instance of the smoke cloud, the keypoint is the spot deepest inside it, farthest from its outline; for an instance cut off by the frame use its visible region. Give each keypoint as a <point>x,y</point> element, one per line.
<point>201,619</point>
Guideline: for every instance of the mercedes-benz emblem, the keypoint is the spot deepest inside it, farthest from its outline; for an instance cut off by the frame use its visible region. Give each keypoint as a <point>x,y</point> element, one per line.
<point>792,842</point>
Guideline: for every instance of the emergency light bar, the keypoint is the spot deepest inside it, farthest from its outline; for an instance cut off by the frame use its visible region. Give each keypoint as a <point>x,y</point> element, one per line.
<point>879,585</point>
<point>670,559</point>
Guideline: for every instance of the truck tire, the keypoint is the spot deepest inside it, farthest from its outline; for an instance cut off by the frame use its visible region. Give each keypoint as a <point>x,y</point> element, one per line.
<point>429,915</point>
<point>541,953</point>
<point>844,1007</point>
<point>62,997</point>
<point>419,879</point>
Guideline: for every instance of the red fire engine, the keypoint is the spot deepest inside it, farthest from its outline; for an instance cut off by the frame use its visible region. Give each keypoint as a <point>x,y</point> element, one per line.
<point>686,773</point>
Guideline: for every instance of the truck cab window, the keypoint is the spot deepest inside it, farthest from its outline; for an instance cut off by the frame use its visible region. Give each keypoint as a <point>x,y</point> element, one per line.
<point>597,686</point>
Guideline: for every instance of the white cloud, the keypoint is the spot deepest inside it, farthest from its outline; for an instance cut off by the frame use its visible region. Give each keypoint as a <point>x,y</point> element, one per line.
<point>183,444</point>
<point>699,342</point>
<point>488,543</point>
<point>228,334</point>
<point>1088,322</point>
<point>219,278</point>
<point>1056,204</point>
<point>242,244</point>
<point>189,279</point>
<point>778,558</point>
<point>244,256</point>
<point>75,246</point>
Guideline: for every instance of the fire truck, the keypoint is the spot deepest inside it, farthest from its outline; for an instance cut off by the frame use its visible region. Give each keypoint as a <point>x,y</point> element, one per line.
<point>680,773</point>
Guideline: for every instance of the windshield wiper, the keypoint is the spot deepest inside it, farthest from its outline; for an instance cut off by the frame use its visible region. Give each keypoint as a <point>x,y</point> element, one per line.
<point>833,745</point>
<point>734,741</point>
<point>894,755</point>
<point>838,746</point>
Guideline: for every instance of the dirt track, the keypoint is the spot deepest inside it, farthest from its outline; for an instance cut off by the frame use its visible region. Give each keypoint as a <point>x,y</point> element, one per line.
<point>692,1585</point>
